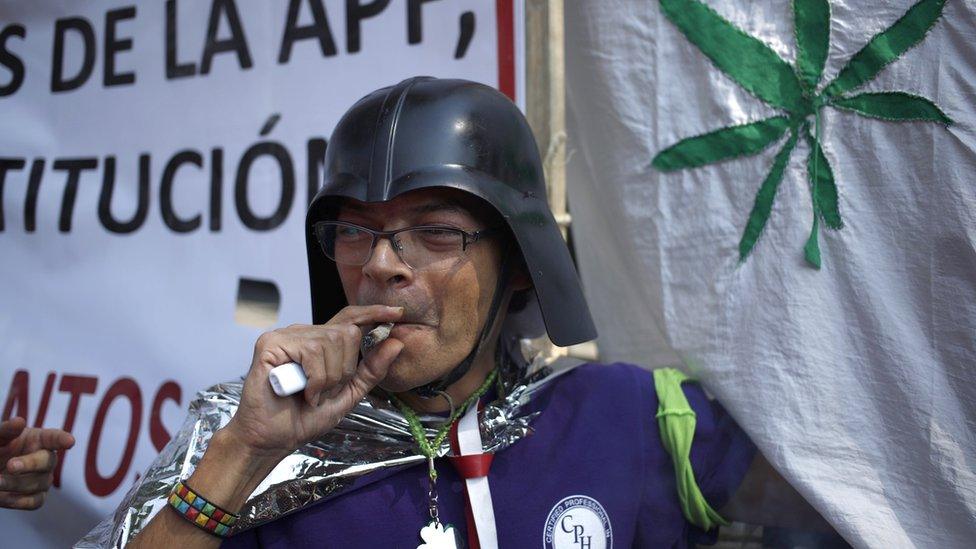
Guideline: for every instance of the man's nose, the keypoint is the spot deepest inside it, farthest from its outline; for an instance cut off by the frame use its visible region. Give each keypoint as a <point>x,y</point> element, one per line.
<point>385,266</point>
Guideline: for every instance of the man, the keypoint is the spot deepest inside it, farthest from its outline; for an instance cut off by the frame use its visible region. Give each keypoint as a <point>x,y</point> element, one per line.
<point>433,217</point>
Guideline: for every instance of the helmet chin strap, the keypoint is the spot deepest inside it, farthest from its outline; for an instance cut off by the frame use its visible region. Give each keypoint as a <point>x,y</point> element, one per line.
<point>439,386</point>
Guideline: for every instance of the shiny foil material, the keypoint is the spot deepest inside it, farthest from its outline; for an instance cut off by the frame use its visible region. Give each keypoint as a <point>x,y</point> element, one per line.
<point>373,436</point>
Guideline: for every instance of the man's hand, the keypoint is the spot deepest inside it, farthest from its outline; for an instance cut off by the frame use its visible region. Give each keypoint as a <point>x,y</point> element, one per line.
<point>27,460</point>
<point>267,427</point>
<point>337,379</point>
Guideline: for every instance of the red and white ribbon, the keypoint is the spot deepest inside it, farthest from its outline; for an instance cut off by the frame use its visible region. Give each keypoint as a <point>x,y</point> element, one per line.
<point>473,464</point>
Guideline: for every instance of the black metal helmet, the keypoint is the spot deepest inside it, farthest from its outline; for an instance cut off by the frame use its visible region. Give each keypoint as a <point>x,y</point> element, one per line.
<point>424,133</point>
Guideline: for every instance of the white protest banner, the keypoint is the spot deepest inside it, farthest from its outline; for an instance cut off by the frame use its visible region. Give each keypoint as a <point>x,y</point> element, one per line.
<point>155,163</point>
<point>827,299</point>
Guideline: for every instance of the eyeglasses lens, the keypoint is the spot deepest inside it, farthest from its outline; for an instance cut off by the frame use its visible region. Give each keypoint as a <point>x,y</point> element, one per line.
<point>420,248</point>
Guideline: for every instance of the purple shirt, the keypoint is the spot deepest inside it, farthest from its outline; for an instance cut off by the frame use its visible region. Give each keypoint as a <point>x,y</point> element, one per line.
<point>594,471</point>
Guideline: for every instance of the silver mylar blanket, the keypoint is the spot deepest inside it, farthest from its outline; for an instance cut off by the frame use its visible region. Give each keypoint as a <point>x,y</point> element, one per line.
<point>373,436</point>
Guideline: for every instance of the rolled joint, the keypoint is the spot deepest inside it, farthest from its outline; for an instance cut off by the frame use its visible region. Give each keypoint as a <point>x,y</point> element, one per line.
<point>375,336</point>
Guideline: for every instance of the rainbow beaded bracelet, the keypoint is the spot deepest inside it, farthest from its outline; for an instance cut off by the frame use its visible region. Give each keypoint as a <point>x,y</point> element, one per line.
<point>199,511</point>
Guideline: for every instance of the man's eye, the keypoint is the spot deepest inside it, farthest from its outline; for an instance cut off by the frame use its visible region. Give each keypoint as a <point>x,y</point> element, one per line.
<point>440,236</point>
<point>349,232</point>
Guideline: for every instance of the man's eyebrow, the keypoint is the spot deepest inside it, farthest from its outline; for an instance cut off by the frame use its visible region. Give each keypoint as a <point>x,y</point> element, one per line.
<point>353,206</point>
<point>436,207</point>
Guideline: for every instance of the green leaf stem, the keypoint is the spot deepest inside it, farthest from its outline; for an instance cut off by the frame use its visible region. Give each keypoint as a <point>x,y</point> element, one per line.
<point>811,250</point>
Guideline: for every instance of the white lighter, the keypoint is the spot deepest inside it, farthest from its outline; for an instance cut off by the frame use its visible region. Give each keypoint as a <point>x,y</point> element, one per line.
<point>290,378</point>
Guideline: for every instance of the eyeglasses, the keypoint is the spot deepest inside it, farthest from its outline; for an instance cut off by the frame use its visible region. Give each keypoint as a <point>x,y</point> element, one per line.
<point>422,248</point>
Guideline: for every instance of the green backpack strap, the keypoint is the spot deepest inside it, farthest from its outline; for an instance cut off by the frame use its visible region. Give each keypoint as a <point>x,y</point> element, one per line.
<point>676,421</point>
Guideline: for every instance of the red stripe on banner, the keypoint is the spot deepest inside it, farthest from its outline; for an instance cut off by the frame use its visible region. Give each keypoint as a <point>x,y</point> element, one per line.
<point>506,47</point>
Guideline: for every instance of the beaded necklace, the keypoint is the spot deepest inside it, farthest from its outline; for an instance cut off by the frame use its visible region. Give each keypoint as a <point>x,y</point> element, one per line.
<point>429,450</point>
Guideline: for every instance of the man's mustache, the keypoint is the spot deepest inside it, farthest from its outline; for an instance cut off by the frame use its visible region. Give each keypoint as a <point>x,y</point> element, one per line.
<point>415,310</point>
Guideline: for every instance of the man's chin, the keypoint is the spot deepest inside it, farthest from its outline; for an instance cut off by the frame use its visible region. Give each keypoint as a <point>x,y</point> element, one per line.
<point>401,377</point>
<point>405,375</point>
<point>395,386</point>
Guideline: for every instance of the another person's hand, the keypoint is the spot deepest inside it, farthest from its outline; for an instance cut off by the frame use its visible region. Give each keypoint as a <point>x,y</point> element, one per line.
<point>27,460</point>
<point>337,379</point>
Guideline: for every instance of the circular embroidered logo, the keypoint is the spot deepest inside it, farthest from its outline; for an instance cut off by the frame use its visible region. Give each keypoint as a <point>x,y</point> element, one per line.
<point>578,522</point>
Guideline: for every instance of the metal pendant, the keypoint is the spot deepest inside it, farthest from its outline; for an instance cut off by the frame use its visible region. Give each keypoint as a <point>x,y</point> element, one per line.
<point>436,535</point>
<point>439,536</point>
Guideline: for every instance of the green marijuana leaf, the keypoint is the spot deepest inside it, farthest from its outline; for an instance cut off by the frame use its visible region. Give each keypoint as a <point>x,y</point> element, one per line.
<point>760,71</point>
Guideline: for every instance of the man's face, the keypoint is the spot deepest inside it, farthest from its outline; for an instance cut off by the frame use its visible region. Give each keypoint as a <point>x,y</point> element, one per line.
<point>444,309</point>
